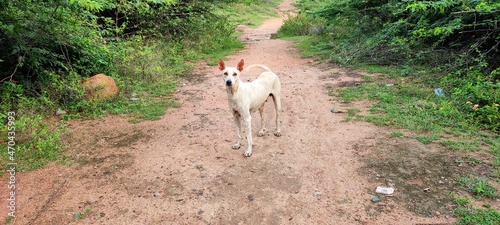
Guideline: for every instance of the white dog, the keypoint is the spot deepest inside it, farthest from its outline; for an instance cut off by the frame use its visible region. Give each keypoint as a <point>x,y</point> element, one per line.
<point>245,98</point>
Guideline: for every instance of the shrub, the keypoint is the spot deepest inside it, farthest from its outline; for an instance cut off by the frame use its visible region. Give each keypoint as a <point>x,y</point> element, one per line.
<point>297,25</point>
<point>456,40</point>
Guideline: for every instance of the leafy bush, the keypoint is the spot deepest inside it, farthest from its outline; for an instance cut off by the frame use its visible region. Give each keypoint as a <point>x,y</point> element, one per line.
<point>406,32</point>
<point>476,94</point>
<point>47,47</point>
<point>456,40</point>
<point>296,26</point>
<point>49,36</point>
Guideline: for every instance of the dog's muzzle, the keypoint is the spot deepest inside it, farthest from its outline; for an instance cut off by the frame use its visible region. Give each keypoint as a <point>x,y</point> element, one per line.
<point>229,83</point>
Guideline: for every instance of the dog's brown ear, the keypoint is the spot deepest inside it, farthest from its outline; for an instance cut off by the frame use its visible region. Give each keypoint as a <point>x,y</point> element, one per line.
<point>222,66</point>
<point>240,65</point>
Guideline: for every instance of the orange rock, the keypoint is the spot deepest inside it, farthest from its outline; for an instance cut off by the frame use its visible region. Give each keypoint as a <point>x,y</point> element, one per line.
<point>100,87</point>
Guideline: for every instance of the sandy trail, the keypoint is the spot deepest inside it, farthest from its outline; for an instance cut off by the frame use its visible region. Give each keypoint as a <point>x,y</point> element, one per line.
<point>181,169</point>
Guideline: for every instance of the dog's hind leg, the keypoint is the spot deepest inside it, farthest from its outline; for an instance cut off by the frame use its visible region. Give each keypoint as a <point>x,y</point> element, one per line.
<point>237,121</point>
<point>261,111</point>
<point>277,107</point>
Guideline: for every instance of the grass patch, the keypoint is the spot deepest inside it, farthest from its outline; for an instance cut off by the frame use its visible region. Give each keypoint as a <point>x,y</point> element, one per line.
<point>362,91</point>
<point>473,160</point>
<point>36,142</point>
<point>9,219</point>
<point>353,112</point>
<point>479,187</point>
<point>310,46</point>
<point>83,215</point>
<point>347,119</point>
<point>410,103</point>
<point>424,139</point>
<point>147,101</point>
<point>299,25</point>
<point>397,134</point>
<point>460,201</point>
<point>390,71</point>
<point>469,215</point>
<point>466,146</point>
<point>250,13</point>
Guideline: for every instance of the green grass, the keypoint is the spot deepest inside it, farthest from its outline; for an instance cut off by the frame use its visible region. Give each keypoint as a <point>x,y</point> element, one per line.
<point>36,143</point>
<point>469,215</point>
<point>9,219</point>
<point>479,187</point>
<point>148,101</point>
<point>250,13</point>
<point>460,201</point>
<point>424,139</point>
<point>412,104</point>
<point>389,71</point>
<point>83,215</point>
<point>298,25</point>
<point>362,91</point>
<point>473,160</point>
<point>397,134</point>
<point>353,112</point>
<point>310,46</point>
<point>466,146</point>
<point>347,119</point>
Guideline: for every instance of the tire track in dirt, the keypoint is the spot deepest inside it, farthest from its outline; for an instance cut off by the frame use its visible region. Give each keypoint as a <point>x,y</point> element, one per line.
<point>181,169</point>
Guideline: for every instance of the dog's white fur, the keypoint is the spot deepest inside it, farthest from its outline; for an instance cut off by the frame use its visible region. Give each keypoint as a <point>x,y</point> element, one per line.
<point>245,98</point>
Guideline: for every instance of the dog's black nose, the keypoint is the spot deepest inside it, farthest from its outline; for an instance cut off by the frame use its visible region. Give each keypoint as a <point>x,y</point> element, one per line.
<point>229,83</point>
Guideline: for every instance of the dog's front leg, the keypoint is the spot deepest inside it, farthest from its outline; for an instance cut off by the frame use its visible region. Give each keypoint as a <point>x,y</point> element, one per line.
<point>237,121</point>
<point>248,123</point>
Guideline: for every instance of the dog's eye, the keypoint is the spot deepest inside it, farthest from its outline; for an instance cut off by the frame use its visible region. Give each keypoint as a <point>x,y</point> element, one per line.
<point>234,74</point>
<point>225,73</point>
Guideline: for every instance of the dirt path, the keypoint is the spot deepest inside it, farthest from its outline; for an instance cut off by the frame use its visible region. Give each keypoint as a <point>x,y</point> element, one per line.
<point>181,169</point>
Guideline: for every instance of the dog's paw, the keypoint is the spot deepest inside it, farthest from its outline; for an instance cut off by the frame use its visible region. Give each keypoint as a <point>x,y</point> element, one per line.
<point>247,153</point>
<point>236,146</point>
<point>261,133</point>
<point>277,133</point>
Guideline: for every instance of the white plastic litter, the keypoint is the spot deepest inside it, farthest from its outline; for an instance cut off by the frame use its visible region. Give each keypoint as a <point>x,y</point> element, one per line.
<point>385,190</point>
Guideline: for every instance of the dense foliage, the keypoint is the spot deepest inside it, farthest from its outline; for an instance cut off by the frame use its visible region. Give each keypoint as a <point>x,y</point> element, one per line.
<point>458,40</point>
<point>47,47</point>
<point>49,36</point>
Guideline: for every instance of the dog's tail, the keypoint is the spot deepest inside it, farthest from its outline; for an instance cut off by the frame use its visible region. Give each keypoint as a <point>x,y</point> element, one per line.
<point>258,65</point>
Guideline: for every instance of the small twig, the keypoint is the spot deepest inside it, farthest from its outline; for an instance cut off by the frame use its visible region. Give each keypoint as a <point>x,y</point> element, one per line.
<point>47,203</point>
<point>9,78</point>
<point>474,11</point>
<point>479,30</point>
<point>494,47</point>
